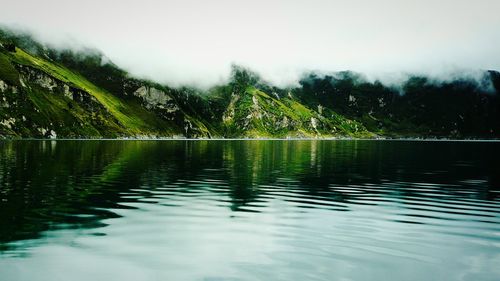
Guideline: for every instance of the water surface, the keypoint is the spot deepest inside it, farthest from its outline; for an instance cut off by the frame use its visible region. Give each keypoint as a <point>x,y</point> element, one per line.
<point>249,210</point>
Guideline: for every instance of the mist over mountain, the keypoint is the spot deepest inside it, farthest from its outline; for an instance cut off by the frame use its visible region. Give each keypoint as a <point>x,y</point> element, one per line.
<point>80,93</point>
<point>195,43</point>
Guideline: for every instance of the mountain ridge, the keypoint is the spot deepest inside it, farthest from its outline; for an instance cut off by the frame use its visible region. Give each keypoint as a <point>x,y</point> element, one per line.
<point>48,93</point>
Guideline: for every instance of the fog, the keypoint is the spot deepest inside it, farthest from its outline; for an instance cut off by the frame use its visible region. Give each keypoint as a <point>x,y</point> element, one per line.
<point>195,42</point>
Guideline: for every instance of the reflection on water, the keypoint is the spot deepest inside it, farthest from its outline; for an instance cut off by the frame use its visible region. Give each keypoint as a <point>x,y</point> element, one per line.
<point>249,210</point>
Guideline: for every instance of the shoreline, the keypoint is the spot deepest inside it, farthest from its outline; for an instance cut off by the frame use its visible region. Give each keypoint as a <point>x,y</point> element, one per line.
<point>254,139</point>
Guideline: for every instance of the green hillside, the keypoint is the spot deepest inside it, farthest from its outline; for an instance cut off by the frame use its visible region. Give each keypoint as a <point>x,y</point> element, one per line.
<point>46,93</point>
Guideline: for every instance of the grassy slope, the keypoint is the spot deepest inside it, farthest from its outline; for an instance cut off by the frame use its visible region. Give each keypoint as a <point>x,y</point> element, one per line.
<point>273,110</point>
<point>134,118</point>
<point>36,110</point>
<point>131,118</point>
<point>334,124</point>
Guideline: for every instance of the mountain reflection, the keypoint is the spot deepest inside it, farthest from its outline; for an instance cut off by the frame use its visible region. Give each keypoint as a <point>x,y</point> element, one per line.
<point>47,185</point>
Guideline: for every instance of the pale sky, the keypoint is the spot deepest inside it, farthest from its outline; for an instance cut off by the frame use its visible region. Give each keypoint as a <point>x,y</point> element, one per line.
<point>188,41</point>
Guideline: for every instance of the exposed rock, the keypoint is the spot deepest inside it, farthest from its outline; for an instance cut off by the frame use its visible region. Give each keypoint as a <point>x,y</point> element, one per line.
<point>314,123</point>
<point>8,122</point>
<point>255,101</point>
<point>3,86</point>
<point>228,115</point>
<point>320,109</point>
<point>187,126</point>
<point>257,112</point>
<point>85,99</point>
<point>21,81</point>
<point>352,100</point>
<point>284,123</point>
<point>154,98</point>
<point>381,102</point>
<point>38,77</point>
<point>4,103</point>
<point>67,92</point>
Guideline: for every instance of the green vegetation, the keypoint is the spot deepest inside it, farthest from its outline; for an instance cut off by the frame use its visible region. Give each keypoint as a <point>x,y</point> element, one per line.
<point>130,116</point>
<point>7,70</point>
<point>50,93</point>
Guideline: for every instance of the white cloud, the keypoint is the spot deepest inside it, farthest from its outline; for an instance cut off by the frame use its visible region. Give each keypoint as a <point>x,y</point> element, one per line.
<point>195,41</point>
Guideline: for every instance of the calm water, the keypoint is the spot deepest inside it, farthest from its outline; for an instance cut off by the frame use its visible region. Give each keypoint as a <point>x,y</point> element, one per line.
<point>249,210</point>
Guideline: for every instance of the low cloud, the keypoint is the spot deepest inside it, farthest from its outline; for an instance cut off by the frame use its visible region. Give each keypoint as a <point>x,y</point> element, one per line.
<point>196,42</point>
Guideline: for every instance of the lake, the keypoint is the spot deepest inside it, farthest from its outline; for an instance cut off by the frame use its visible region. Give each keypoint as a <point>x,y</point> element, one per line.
<point>249,210</point>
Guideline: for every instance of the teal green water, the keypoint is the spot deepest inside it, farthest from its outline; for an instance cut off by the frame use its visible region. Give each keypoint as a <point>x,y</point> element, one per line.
<point>249,210</point>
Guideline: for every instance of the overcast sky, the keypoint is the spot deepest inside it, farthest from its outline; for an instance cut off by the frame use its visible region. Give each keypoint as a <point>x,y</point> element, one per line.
<point>195,41</point>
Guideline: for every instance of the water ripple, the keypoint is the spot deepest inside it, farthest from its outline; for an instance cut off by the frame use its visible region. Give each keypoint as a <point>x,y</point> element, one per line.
<point>264,210</point>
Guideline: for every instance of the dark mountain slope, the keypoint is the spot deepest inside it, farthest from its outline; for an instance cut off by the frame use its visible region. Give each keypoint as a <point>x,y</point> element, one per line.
<point>460,108</point>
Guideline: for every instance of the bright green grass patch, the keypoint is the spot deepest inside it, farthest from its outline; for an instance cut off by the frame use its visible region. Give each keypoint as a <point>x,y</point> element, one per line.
<point>279,107</point>
<point>301,110</point>
<point>120,110</point>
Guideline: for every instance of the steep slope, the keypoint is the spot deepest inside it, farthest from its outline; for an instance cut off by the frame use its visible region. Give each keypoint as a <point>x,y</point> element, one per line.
<point>254,113</point>
<point>42,98</point>
<point>37,104</point>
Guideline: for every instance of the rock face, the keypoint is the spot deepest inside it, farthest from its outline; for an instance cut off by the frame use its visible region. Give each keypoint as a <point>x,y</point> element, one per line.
<point>229,113</point>
<point>3,86</point>
<point>154,98</point>
<point>164,106</point>
<point>8,122</point>
<point>57,87</point>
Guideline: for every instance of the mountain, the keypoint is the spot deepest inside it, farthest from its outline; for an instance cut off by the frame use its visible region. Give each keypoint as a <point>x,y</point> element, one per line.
<point>47,93</point>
